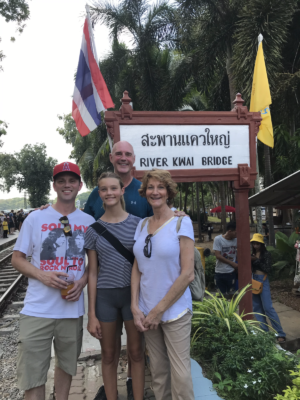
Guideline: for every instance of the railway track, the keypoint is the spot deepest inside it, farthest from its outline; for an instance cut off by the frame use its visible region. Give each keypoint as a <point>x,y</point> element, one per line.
<point>12,290</point>
<point>10,279</point>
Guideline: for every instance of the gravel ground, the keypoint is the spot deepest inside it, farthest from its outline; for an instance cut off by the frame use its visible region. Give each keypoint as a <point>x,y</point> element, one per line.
<point>281,290</point>
<point>8,362</point>
<point>8,357</point>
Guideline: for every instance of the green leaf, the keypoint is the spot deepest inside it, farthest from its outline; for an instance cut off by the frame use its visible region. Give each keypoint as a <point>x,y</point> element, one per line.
<point>280,264</point>
<point>218,376</point>
<point>283,246</point>
<point>292,239</point>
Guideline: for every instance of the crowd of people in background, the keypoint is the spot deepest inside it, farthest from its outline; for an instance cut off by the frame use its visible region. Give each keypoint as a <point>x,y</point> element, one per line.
<point>11,221</point>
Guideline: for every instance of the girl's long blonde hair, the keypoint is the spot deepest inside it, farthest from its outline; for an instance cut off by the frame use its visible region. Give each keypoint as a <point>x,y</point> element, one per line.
<point>115,176</point>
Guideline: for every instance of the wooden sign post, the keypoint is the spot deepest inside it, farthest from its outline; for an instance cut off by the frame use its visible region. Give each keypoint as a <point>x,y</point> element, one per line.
<point>197,146</point>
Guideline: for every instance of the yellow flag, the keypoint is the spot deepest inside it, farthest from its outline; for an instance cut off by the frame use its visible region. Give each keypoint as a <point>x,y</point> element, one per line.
<point>261,98</point>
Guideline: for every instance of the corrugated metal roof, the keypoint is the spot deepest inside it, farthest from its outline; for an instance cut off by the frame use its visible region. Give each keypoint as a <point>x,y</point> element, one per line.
<point>283,193</point>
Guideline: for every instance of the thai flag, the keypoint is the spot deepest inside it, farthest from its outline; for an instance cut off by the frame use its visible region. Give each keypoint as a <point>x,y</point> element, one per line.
<point>91,95</point>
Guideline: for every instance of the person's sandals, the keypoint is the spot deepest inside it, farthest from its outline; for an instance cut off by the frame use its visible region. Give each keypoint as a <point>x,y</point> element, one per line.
<point>281,339</point>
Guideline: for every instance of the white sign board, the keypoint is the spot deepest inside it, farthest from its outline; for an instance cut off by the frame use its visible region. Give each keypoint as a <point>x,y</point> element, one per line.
<point>188,146</point>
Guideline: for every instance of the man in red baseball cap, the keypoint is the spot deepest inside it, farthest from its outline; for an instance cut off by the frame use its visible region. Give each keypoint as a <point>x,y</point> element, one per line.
<point>53,306</point>
<point>66,167</point>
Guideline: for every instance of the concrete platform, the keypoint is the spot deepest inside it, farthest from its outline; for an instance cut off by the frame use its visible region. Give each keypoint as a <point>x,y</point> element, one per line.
<point>89,343</point>
<point>4,243</point>
<point>290,320</point>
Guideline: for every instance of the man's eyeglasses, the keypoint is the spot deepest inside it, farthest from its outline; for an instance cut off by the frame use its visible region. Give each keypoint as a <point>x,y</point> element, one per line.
<point>148,246</point>
<point>67,227</point>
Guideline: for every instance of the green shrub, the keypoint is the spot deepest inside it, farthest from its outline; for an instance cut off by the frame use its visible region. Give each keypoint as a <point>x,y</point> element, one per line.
<point>250,364</point>
<point>292,393</point>
<point>226,310</point>
<point>284,254</point>
<point>210,265</point>
<point>241,360</point>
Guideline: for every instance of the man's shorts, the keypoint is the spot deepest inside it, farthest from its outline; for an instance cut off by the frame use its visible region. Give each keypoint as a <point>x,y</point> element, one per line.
<point>35,340</point>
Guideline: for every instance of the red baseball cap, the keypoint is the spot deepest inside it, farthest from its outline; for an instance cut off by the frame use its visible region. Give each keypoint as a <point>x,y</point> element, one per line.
<point>66,167</point>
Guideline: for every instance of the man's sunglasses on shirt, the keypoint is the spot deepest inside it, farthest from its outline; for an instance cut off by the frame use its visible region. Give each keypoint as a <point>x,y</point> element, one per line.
<point>67,227</point>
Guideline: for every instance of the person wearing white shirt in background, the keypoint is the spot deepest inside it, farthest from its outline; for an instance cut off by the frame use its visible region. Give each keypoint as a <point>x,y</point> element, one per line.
<point>225,247</point>
<point>46,314</point>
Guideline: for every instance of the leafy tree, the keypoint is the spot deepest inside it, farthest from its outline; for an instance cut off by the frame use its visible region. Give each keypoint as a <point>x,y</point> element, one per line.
<point>3,127</point>
<point>206,36</point>
<point>272,19</point>
<point>151,72</point>
<point>286,154</point>
<point>83,197</point>
<point>279,25</point>
<point>90,152</point>
<point>12,204</point>
<point>14,11</point>
<point>30,170</point>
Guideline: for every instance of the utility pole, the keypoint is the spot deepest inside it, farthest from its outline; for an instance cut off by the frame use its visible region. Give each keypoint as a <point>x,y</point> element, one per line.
<point>25,199</point>
<point>257,190</point>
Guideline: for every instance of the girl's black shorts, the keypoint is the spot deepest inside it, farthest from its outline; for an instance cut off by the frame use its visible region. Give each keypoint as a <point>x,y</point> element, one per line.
<point>111,302</point>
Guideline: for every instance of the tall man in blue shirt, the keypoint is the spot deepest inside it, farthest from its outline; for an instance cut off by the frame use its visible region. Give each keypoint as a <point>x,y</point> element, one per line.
<point>122,158</point>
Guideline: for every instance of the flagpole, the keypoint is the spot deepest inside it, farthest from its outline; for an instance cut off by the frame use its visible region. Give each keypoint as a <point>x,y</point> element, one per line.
<point>87,7</point>
<point>257,183</point>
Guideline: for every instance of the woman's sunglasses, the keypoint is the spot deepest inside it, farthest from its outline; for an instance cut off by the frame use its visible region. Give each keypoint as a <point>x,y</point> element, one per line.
<point>148,246</point>
<point>67,227</point>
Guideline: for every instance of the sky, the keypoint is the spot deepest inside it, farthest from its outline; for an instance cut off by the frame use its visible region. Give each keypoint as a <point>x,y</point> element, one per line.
<point>38,78</point>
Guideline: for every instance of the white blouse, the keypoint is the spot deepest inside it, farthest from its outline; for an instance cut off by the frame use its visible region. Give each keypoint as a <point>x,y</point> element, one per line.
<point>160,271</point>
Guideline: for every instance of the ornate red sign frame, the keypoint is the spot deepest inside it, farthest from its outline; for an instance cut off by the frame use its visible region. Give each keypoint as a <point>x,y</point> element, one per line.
<point>242,177</point>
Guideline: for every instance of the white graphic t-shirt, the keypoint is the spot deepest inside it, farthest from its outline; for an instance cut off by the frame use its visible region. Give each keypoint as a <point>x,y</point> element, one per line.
<point>42,237</point>
<point>227,249</point>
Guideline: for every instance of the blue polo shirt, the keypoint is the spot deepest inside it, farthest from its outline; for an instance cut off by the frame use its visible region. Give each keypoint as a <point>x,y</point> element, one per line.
<point>135,204</point>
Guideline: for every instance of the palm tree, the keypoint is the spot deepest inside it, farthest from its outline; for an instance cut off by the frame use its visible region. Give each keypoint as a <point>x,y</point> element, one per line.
<point>272,19</point>
<point>149,68</point>
<point>207,38</point>
<point>89,152</point>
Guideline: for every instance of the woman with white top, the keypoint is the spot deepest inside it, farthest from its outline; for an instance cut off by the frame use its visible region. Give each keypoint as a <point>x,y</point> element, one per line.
<point>161,300</point>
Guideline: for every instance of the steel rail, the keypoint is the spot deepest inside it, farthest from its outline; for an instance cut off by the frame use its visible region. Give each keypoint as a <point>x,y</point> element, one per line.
<point>7,248</point>
<point>13,285</point>
<point>6,257</point>
<point>10,289</point>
